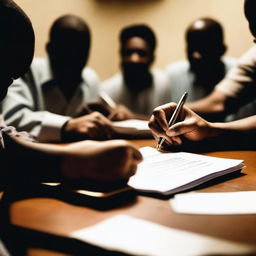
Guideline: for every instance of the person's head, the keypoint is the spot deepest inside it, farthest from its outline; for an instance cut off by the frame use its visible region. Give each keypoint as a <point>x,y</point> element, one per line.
<point>138,43</point>
<point>69,45</point>
<point>205,43</point>
<point>250,14</point>
<point>16,44</point>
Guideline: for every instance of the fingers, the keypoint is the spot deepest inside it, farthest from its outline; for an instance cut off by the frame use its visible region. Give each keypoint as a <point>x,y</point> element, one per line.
<point>182,127</point>
<point>100,126</point>
<point>120,113</point>
<point>114,115</point>
<point>160,118</point>
<point>134,157</point>
<point>158,122</point>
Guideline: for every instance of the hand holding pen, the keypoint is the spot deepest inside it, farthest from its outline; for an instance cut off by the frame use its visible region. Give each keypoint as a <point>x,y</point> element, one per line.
<point>173,117</point>
<point>190,125</point>
<point>158,120</point>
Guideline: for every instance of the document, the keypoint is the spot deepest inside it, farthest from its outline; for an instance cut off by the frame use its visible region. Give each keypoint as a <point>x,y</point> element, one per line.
<point>169,173</point>
<point>140,237</point>
<point>215,203</point>
<point>133,127</point>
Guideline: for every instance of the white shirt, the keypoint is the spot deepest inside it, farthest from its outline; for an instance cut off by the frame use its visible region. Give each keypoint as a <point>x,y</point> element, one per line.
<point>183,79</point>
<point>143,102</point>
<point>40,108</point>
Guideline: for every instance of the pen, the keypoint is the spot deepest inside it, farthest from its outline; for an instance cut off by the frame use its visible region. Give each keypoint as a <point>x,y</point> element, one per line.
<point>173,117</point>
<point>107,100</point>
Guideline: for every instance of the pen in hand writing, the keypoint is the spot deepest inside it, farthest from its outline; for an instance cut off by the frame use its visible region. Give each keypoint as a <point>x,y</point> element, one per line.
<point>173,117</point>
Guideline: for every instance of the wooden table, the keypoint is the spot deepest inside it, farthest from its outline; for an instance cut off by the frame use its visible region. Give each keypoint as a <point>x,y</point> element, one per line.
<point>61,218</point>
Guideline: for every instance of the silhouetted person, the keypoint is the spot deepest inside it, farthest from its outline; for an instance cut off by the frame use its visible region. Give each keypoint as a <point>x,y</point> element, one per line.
<point>49,97</point>
<point>239,85</point>
<point>138,87</point>
<point>24,161</point>
<point>205,66</point>
<point>235,95</point>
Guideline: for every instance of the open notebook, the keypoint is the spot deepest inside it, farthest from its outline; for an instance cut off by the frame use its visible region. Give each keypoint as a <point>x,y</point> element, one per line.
<point>169,173</point>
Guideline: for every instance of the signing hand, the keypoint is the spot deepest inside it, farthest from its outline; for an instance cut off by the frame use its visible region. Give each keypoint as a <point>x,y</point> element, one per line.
<point>189,124</point>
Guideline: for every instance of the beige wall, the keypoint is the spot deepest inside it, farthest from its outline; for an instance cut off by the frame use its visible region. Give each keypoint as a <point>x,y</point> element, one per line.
<point>169,18</point>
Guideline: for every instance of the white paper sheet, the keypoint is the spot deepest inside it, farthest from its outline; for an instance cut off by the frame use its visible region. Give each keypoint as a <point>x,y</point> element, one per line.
<point>132,127</point>
<point>164,172</point>
<point>215,203</point>
<point>139,237</point>
<point>133,123</point>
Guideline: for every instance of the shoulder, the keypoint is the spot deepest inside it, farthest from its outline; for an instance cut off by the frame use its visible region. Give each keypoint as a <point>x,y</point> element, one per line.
<point>114,81</point>
<point>90,75</point>
<point>177,67</point>
<point>249,57</point>
<point>180,64</point>
<point>41,69</point>
<point>229,61</point>
<point>39,63</point>
<point>160,77</point>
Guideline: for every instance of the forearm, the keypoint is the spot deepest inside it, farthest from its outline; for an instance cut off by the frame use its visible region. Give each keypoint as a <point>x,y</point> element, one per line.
<point>28,162</point>
<point>243,125</point>
<point>42,125</point>
<point>211,104</point>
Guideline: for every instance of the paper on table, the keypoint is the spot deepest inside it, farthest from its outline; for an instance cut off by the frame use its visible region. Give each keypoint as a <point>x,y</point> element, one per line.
<point>132,127</point>
<point>169,173</point>
<point>140,237</point>
<point>215,203</point>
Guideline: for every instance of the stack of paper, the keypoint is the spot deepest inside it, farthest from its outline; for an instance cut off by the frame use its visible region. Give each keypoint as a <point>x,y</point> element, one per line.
<point>169,173</point>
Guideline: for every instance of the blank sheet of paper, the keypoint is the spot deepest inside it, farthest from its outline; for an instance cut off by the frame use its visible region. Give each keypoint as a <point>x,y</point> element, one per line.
<point>243,202</point>
<point>140,237</point>
<point>132,123</point>
<point>163,172</point>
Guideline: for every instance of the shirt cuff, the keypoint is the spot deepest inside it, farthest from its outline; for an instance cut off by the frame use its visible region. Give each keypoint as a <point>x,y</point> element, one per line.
<point>51,127</point>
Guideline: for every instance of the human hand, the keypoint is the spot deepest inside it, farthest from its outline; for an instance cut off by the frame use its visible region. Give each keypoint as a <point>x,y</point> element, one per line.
<point>102,161</point>
<point>94,106</point>
<point>189,124</point>
<point>120,113</point>
<point>91,126</point>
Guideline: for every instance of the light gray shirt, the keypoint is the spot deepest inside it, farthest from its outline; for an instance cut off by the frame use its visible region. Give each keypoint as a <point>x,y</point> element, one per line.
<point>142,102</point>
<point>183,79</point>
<point>11,131</point>
<point>39,107</point>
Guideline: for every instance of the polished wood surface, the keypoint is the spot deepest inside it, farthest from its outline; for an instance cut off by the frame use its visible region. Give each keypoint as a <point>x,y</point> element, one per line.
<point>59,217</point>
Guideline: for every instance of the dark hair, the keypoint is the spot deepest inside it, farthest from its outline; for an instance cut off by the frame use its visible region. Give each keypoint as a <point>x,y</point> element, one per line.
<point>16,36</point>
<point>70,27</point>
<point>250,14</point>
<point>140,30</point>
<point>211,30</point>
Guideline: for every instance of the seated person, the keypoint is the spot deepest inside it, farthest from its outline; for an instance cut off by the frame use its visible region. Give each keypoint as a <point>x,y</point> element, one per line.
<point>235,96</point>
<point>205,66</point>
<point>138,87</point>
<point>23,160</point>
<point>47,100</point>
<point>191,127</point>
